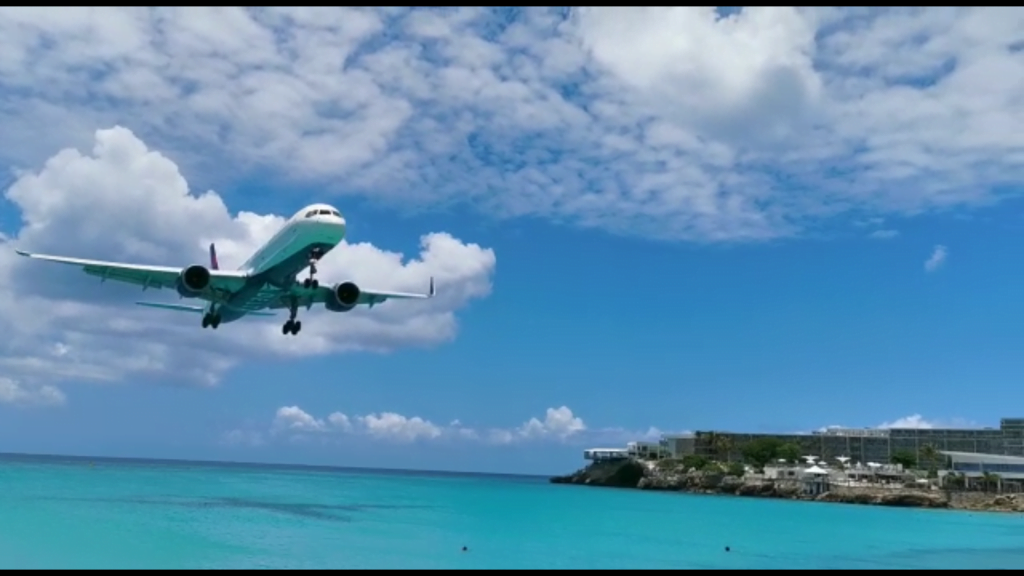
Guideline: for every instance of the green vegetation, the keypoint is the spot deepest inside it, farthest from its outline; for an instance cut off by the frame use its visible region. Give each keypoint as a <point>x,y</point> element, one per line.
<point>761,451</point>
<point>694,461</point>
<point>991,482</point>
<point>722,446</point>
<point>684,463</point>
<point>736,469</point>
<point>712,468</point>
<point>905,458</point>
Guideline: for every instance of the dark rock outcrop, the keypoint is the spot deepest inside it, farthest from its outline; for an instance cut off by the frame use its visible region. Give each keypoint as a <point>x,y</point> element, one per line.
<point>615,474</point>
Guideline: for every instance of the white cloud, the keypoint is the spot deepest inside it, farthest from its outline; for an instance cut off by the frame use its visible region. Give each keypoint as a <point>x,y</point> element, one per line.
<point>884,234</point>
<point>397,427</point>
<point>670,121</point>
<point>124,202</point>
<point>915,421</point>
<point>20,394</point>
<point>558,425</point>
<point>937,259</point>
<point>918,421</point>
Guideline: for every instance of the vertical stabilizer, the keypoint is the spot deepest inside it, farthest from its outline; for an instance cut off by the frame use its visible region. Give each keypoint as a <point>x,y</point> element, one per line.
<point>213,258</point>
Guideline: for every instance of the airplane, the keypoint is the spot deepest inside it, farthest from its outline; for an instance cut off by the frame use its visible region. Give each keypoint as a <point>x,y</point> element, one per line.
<point>268,280</point>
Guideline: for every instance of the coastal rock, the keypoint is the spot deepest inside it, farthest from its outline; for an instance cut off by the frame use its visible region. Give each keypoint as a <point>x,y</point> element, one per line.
<point>914,500</point>
<point>616,474</point>
<point>712,479</point>
<point>730,485</point>
<point>898,499</point>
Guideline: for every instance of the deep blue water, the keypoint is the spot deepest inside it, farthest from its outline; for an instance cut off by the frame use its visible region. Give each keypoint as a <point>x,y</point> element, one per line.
<point>60,512</point>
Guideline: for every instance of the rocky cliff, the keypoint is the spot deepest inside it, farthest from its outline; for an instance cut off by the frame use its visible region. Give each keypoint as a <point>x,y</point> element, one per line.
<point>632,474</point>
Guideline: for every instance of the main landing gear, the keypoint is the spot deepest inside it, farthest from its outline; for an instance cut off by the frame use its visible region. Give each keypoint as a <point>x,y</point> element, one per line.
<point>292,326</point>
<point>314,256</point>
<point>211,320</point>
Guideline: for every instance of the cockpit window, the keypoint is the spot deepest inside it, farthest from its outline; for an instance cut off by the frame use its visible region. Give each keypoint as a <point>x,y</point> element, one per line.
<point>311,213</point>
<point>336,213</point>
<point>325,212</point>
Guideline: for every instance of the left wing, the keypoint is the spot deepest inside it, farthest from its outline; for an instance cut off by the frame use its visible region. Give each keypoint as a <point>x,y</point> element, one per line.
<point>144,275</point>
<point>309,296</point>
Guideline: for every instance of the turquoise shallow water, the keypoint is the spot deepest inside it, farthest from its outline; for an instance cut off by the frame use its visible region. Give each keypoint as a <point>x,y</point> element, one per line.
<point>64,513</point>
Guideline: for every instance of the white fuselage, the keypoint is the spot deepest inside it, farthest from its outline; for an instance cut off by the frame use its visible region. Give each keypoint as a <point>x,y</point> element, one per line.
<point>295,239</point>
<point>276,264</point>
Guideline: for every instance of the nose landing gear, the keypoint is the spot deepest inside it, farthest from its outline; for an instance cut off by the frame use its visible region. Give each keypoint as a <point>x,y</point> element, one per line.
<point>314,256</point>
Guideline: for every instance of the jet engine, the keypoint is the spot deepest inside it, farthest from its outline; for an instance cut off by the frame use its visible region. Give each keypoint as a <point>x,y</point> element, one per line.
<point>193,280</point>
<point>345,296</point>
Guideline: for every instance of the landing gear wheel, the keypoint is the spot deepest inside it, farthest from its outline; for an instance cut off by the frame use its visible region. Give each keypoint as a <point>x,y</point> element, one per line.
<point>296,327</point>
<point>211,320</point>
<point>292,327</point>
<point>310,283</point>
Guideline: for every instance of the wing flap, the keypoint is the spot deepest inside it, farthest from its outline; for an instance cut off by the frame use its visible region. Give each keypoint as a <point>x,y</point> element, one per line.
<point>372,297</point>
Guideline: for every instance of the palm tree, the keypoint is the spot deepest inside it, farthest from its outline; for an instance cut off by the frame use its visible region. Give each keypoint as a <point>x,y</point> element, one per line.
<point>722,446</point>
<point>929,454</point>
<point>992,481</point>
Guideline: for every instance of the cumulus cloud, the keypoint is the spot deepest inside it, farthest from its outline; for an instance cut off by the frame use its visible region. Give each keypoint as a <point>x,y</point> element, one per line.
<point>673,122</point>
<point>20,394</point>
<point>918,421</point>
<point>124,202</point>
<point>557,425</point>
<point>915,421</point>
<point>936,259</point>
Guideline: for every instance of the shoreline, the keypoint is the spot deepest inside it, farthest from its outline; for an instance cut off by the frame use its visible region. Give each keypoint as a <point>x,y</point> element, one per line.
<point>634,475</point>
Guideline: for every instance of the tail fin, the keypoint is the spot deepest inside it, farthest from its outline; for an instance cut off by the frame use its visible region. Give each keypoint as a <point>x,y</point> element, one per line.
<point>213,258</point>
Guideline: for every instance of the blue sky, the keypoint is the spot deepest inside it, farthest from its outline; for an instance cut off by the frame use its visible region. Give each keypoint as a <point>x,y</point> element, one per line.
<point>624,245</point>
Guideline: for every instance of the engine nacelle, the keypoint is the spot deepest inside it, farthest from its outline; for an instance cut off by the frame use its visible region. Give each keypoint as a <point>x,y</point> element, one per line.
<point>345,297</point>
<point>193,280</point>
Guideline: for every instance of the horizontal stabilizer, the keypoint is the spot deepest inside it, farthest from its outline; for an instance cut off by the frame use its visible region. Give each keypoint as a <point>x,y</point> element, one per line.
<point>178,307</point>
<point>193,309</point>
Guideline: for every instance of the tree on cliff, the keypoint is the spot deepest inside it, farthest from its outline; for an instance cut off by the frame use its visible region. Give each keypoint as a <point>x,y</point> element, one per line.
<point>761,451</point>
<point>930,455</point>
<point>722,446</point>
<point>991,482</point>
<point>905,458</point>
<point>789,452</point>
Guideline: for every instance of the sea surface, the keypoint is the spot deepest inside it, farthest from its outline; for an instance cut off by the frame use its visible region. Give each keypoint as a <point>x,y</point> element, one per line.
<point>58,512</point>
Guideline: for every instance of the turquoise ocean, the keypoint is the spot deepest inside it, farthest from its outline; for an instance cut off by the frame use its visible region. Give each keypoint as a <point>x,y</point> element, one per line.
<point>60,512</point>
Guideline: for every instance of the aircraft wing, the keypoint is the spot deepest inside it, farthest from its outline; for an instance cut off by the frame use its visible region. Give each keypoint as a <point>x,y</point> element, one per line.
<point>369,297</point>
<point>143,275</point>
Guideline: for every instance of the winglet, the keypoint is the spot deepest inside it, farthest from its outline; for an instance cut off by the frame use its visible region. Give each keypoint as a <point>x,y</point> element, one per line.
<point>213,257</point>
<point>21,252</point>
<point>431,293</point>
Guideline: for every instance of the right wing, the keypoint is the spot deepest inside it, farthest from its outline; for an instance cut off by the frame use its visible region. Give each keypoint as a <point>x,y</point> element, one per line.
<point>146,276</point>
<point>306,297</point>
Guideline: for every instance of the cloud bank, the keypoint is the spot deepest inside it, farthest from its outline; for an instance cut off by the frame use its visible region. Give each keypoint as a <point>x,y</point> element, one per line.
<point>292,423</point>
<point>672,122</point>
